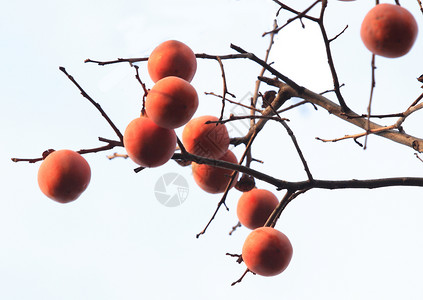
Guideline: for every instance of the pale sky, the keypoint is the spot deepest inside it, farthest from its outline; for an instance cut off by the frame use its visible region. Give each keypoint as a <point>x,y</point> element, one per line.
<point>117,241</point>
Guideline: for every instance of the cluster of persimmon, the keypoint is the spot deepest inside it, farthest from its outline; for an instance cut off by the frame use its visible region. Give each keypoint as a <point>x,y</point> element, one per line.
<point>266,250</point>
<point>387,30</point>
<point>150,141</point>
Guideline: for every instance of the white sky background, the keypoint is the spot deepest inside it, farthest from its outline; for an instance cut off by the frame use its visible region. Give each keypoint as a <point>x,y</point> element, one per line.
<point>116,241</point>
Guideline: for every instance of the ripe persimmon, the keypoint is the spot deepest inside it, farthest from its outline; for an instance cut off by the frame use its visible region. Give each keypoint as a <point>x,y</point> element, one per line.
<point>172,58</point>
<point>208,140</point>
<point>267,251</point>
<point>389,30</point>
<point>171,102</point>
<point>147,144</point>
<point>64,175</point>
<point>255,206</point>
<point>213,179</point>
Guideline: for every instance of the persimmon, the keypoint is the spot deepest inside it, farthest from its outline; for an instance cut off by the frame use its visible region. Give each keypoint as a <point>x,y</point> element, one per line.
<point>208,140</point>
<point>64,175</point>
<point>171,102</point>
<point>255,206</point>
<point>267,251</point>
<point>389,30</point>
<point>172,58</point>
<point>213,179</point>
<point>148,144</point>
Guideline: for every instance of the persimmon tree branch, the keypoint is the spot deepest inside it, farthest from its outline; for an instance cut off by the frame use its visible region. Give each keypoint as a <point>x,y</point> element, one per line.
<point>269,68</point>
<point>144,87</point>
<point>420,4</point>
<point>96,105</point>
<point>110,145</point>
<point>225,194</point>
<point>306,184</point>
<point>299,15</point>
<point>278,101</point>
<point>233,118</point>
<point>327,42</point>
<point>141,59</point>
<point>372,89</point>
<point>352,117</point>
<point>234,102</point>
<point>119,60</point>
<point>224,87</point>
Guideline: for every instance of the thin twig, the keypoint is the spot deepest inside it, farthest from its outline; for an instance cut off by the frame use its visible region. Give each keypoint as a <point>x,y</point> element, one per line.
<point>279,210</point>
<point>271,220</point>
<point>116,155</point>
<point>110,145</point>
<point>365,116</point>
<point>291,135</point>
<point>356,136</point>
<point>137,76</point>
<point>369,108</point>
<point>119,60</point>
<point>96,105</point>
<point>235,227</point>
<point>326,40</point>
<point>236,118</point>
<point>338,35</point>
<point>296,105</point>
<point>420,4</point>
<point>233,175</point>
<point>299,89</point>
<point>299,16</point>
<point>334,109</point>
<point>234,102</point>
<point>141,59</point>
<point>242,277</point>
<point>225,88</point>
<point>278,101</point>
<point>418,157</point>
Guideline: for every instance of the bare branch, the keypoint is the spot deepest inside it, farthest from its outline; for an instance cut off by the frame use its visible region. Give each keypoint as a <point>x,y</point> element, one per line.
<point>326,40</point>
<point>96,105</point>
<point>354,118</point>
<point>119,60</point>
<point>233,175</point>
<point>137,76</point>
<point>299,16</point>
<point>235,227</point>
<point>242,277</point>
<point>369,107</point>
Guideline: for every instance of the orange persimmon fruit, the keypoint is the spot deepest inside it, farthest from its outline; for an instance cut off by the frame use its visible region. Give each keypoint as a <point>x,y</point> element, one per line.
<point>213,179</point>
<point>64,175</point>
<point>172,58</point>
<point>148,144</point>
<point>267,251</point>
<point>208,140</point>
<point>255,206</point>
<point>389,30</point>
<point>171,102</point>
